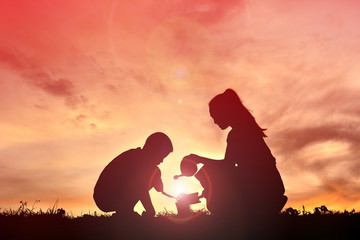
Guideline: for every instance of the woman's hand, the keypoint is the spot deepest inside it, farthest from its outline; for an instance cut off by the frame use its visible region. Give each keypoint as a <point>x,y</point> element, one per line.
<point>199,159</point>
<point>204,194</point>
<point>194,157</point>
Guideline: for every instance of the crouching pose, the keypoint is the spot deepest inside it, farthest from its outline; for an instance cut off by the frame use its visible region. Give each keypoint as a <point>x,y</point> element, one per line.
<point>217,192</point>
<point>248,171</point>
<point>129,177</point>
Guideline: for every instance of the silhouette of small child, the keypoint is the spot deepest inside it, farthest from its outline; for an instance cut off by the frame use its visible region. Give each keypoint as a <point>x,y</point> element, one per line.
<point>184,201</point>
<point>215,190</point>
<point>129,177</point>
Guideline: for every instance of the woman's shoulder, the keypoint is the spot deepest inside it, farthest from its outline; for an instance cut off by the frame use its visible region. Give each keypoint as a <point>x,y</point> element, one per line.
<point>245,134</point>
<point>236,135</point>
<point>233,133</point>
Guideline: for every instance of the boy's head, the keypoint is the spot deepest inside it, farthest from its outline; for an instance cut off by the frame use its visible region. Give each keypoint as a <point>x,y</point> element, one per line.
<point>188,168</point>
<point>157,146</point>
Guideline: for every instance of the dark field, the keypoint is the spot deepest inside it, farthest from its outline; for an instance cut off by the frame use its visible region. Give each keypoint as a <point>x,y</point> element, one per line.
<point>290,224</point>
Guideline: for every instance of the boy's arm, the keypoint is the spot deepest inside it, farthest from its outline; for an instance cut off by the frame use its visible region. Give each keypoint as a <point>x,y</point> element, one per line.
<point>157,182</point>
<point>146,202</point>
<point>159,186</point>
<point>145,197</point>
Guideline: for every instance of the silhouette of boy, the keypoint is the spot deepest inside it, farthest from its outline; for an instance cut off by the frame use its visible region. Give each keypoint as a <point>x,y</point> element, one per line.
<point>216,191</point>
<point>129,177</point>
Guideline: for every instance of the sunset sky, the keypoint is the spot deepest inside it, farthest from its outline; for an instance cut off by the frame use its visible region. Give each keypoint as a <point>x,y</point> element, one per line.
<point>82,81</point>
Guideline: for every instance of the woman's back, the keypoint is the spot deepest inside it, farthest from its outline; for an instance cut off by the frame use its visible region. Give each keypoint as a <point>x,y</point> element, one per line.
<point>255,174</point>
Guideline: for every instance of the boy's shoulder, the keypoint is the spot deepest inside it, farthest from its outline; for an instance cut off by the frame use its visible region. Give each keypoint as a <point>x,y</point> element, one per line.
<point>125,159</point>
<point>131,153</point>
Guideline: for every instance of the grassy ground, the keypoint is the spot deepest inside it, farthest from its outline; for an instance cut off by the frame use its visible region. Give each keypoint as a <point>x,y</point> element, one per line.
<point>55,223</point>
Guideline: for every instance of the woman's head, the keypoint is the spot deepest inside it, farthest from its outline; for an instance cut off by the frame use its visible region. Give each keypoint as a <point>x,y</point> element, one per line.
<point>227,110</point>
<point>223,107</point>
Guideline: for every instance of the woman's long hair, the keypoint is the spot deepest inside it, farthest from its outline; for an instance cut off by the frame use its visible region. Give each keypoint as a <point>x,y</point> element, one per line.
<point>229,105</point>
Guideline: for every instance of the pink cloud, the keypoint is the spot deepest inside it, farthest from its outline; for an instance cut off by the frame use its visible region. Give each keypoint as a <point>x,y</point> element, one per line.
<point>36,76</point>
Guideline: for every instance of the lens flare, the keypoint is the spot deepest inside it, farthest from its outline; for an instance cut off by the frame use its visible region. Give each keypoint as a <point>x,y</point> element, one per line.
<point>179,188</point>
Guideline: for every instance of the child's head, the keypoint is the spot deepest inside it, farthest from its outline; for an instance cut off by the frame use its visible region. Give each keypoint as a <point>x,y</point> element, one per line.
<point>188,168</point>
<point>157,146</point>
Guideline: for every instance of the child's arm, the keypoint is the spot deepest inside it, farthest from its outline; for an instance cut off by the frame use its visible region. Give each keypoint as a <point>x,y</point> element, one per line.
<point>156,181</point>
<point>146,202</point>
<point>158,184</point>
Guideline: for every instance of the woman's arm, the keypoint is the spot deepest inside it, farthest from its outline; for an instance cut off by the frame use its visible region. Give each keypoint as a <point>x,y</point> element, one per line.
<point>200,159</point>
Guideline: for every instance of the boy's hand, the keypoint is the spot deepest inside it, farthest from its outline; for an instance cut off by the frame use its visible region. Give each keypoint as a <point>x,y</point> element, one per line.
<point>148,214</point>
<point>168,195</point>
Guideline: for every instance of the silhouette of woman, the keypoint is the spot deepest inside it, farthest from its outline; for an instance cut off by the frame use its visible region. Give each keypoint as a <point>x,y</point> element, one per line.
<point>253,182</point>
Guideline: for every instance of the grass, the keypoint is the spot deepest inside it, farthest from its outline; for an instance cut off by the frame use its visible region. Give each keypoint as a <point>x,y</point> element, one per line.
<point>29,222</point>
<point>25,211</point>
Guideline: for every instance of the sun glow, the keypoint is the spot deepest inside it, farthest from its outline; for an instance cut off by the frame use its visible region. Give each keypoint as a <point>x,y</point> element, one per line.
<point>179,188</point>
<point>184,185</point>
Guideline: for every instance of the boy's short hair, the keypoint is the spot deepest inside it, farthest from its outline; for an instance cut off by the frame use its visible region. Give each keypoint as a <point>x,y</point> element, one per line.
<point>159,140</point>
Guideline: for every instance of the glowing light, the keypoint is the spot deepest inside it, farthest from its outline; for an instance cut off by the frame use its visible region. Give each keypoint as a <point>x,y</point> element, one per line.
<point>180,72</point>
<point>178,50</point>
<point>179,188</point>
